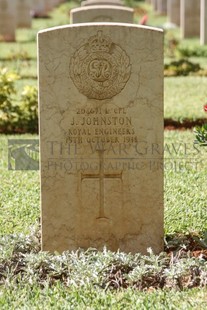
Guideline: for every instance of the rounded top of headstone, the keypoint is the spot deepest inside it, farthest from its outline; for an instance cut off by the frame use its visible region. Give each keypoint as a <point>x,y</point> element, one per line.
<point>101,2</point>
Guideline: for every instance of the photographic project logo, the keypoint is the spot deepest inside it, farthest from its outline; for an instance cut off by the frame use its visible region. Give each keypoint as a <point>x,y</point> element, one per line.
<point>23,154</point>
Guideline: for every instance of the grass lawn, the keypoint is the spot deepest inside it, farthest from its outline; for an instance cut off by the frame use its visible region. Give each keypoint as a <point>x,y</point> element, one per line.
<point>184,97</point>
<point>25,284</point>
<point>86,298</point>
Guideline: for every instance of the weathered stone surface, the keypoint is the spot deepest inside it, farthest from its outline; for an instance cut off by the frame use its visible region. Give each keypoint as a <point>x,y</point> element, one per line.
<point>24,18</point>
<point>42,7</point>
<point>173,11</point>
<point>101,13</point>
<point>38,8</point>
<point>162,6</point>
<point>101,2</point>
<point>154,4</point>
<point>101,137</point>
<point>190,18</point>
<point>7,20</point>
<point>203,35</point>
<point>49,4</point>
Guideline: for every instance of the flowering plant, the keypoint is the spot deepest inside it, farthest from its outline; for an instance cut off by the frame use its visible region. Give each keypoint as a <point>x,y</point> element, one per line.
<point>201,132</point>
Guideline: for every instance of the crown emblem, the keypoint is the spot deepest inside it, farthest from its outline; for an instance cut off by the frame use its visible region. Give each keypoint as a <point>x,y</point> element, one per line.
<point>100,68</point>
<point>99,43</point>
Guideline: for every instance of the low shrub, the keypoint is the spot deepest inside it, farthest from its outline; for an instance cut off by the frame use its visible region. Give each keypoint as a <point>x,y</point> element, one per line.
<point>9,112</point>
<point>29,109</point>
<point>171,45</point>
<point>182,67</point>
<point>181,266</point>
<point>196,51</point>
<point>201,135</point>
<point>17,115</point>
<point>201,132</point>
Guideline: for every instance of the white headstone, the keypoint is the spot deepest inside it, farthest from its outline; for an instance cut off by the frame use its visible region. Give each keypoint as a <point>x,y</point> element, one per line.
<point>154,4</point>
<point>38,8</point>
<point>203,37</point>
<point>7,20</point>
<point>162,6</point>
<point>190,18</point>
<point>101,13</point>
<point>24,18</point>
<point>101,2</point>
<point>101,117</point>
<point>173,11</point>
<point>49,4</point>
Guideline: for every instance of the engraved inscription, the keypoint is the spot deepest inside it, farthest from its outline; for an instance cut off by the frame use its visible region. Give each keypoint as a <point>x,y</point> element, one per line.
<point>101,175</point>
<point>105,124</point>
<point>100,68</point>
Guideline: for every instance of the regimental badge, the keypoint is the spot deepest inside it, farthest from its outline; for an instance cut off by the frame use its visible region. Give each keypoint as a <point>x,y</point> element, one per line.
<point>100,68</point>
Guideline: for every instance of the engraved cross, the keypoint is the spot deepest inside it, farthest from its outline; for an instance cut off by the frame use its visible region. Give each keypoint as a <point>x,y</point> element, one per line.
<point>101,175</point>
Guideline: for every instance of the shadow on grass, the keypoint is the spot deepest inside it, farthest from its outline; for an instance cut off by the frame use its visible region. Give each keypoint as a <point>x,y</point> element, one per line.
<point>171,124</point>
